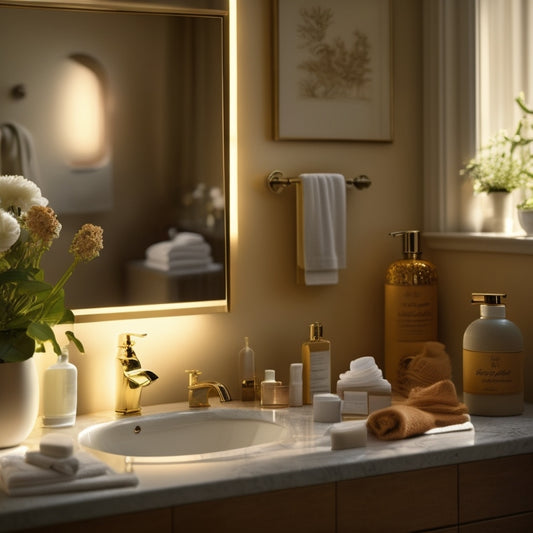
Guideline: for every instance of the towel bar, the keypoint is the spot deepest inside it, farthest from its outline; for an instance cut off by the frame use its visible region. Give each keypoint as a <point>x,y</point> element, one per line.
<point>277,183</point>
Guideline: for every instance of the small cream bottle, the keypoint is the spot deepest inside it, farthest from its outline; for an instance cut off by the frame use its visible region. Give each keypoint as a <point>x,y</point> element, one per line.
<point>60,392</point>
<point>296,385</point>
<point>247,372</point>
<point>493,361</point>
<point>316,360</point>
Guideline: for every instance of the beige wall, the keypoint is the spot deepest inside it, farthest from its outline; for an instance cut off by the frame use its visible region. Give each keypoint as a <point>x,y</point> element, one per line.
<point>266,303</point>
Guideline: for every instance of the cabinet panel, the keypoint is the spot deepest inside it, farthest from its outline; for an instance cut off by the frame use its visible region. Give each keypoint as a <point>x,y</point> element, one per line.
<point>309,509</point>
<point>159,520</point>
<point>522,523</point>
<point>495,487</point>
<point>406,501</point>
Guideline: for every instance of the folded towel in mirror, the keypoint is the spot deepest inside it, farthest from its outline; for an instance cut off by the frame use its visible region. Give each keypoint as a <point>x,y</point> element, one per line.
<point>426,408</point>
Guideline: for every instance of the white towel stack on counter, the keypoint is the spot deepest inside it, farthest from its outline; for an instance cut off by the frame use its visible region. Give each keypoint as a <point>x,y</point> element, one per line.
<point>363,388</point>
<point>185,253</point>
<point>55,468</point>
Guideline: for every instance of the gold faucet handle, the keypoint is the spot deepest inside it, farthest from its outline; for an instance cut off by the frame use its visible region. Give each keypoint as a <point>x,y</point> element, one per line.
<point>193,376</point>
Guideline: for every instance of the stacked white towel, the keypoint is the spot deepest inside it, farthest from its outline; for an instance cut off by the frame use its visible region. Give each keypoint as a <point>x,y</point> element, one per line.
<point>363,388</point>
<point>36,472</point>
<point>185,253</point>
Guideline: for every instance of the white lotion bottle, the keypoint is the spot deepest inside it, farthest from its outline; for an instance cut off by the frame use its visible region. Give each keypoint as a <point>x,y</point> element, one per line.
<point>493,361</point>
<point>60,392</point>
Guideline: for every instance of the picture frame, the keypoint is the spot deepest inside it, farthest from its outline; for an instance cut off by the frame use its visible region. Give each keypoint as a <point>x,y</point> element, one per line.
<point>333,70</point>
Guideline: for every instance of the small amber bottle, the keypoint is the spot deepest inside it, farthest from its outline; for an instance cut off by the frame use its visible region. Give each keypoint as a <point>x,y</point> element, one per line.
<point>316,359</point>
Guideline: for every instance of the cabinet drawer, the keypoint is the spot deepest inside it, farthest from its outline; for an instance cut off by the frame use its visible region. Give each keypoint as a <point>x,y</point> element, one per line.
<point>495,487</point>
<point>406,501</point>
<point>309,509</point>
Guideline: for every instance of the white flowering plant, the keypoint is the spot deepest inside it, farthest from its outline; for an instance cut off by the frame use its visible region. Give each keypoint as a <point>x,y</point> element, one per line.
<point>30,306</point>
<point>506,162</point>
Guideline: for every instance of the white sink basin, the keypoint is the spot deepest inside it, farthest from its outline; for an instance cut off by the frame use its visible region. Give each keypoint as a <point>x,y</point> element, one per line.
<point>180,435</point>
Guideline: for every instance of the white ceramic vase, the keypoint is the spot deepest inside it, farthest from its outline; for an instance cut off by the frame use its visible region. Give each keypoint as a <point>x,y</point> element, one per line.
<point>19,401</point>
<point>499,212</point>
<point>525,217</point>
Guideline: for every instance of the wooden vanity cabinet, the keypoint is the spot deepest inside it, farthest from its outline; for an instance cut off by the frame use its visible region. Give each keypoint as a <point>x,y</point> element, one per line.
<point>489,496</point>
<point>406,501</point>
<point>496,495</point>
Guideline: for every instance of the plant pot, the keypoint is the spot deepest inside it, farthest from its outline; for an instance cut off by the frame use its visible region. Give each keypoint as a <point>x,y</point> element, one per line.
<point>525,217</point>
<point>499,212</point>
<point>19,401</point>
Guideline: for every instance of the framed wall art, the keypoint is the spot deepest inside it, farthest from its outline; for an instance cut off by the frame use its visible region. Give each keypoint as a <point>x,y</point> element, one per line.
<point>333,70</point>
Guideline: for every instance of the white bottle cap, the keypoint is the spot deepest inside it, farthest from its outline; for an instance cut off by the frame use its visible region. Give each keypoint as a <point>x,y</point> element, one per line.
<point>270,375</point>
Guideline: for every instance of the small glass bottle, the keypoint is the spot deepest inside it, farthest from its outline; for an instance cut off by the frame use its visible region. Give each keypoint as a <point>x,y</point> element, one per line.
<point>60,392</point>
<point>247,372</point>
<point>273,393</point>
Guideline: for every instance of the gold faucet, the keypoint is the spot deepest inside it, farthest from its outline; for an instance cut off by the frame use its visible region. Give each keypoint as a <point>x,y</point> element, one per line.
<point>131,378</point>
<point>199,391</point>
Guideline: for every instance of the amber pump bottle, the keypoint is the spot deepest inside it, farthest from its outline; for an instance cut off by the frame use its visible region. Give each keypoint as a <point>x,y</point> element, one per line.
<point>410,305</point>
<point>316,359</point>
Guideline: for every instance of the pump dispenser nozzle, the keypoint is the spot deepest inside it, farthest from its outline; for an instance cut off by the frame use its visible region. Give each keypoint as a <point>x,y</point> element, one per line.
<point>488,298</point>
<point>411,243</point>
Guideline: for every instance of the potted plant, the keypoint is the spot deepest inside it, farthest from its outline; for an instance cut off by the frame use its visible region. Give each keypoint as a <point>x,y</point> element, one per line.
<point>30,306</point>
<point>502,166</point>
<point>525,215</point>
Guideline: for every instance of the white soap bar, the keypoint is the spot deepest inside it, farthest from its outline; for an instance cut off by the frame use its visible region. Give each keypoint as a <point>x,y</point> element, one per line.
<point>350,434</point>
<point>56,445</point>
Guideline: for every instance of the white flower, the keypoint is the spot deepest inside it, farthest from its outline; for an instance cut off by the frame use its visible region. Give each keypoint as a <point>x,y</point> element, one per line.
<point>9,230</point>
<point>17,192</point>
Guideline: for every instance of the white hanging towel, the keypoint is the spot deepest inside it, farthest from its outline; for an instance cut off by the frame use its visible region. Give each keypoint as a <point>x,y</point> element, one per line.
<point>17,152</point>
<point>321,228</point>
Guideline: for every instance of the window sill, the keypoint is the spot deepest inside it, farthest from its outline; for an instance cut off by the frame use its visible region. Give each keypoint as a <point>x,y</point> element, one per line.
<point>480,242</point>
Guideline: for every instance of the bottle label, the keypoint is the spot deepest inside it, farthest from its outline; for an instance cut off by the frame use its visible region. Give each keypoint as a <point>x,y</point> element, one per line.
<point>411,312</point>
<point>320,378</point>
<point>493,372</point>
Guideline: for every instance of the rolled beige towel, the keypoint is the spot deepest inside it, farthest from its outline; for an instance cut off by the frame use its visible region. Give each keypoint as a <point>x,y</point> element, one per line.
<point>421,370</point>
<point>425,409</point>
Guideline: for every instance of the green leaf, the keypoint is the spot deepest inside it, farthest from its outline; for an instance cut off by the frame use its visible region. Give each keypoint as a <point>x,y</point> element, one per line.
<point>41,333</point>
<point>15,345</point>
<point>71,337</point>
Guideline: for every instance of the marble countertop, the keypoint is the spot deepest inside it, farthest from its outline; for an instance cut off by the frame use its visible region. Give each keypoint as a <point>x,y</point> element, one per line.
<point>305,458</point>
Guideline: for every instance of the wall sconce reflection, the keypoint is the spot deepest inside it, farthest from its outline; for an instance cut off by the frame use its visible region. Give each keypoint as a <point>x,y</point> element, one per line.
<point>82,110</point>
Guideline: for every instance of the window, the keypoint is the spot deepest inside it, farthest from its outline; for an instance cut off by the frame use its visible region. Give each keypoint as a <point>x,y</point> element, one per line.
<point>474,67</point>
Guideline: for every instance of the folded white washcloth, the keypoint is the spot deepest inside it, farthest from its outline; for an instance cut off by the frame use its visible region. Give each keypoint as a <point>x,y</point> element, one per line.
<point>169,249</point>
<point>19,478</point>
<point>179,266</point>
<point>321,228</point>
<point>64,465</point>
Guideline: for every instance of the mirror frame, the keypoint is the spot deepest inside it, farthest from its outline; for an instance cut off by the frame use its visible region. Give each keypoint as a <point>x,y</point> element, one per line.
<point>199,8</point>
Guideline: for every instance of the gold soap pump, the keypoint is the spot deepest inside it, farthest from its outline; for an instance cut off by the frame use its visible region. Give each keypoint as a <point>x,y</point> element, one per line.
<point>131,377</point>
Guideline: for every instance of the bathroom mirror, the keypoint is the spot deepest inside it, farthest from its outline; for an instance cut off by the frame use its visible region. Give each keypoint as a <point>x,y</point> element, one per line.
<point>161,72</point>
